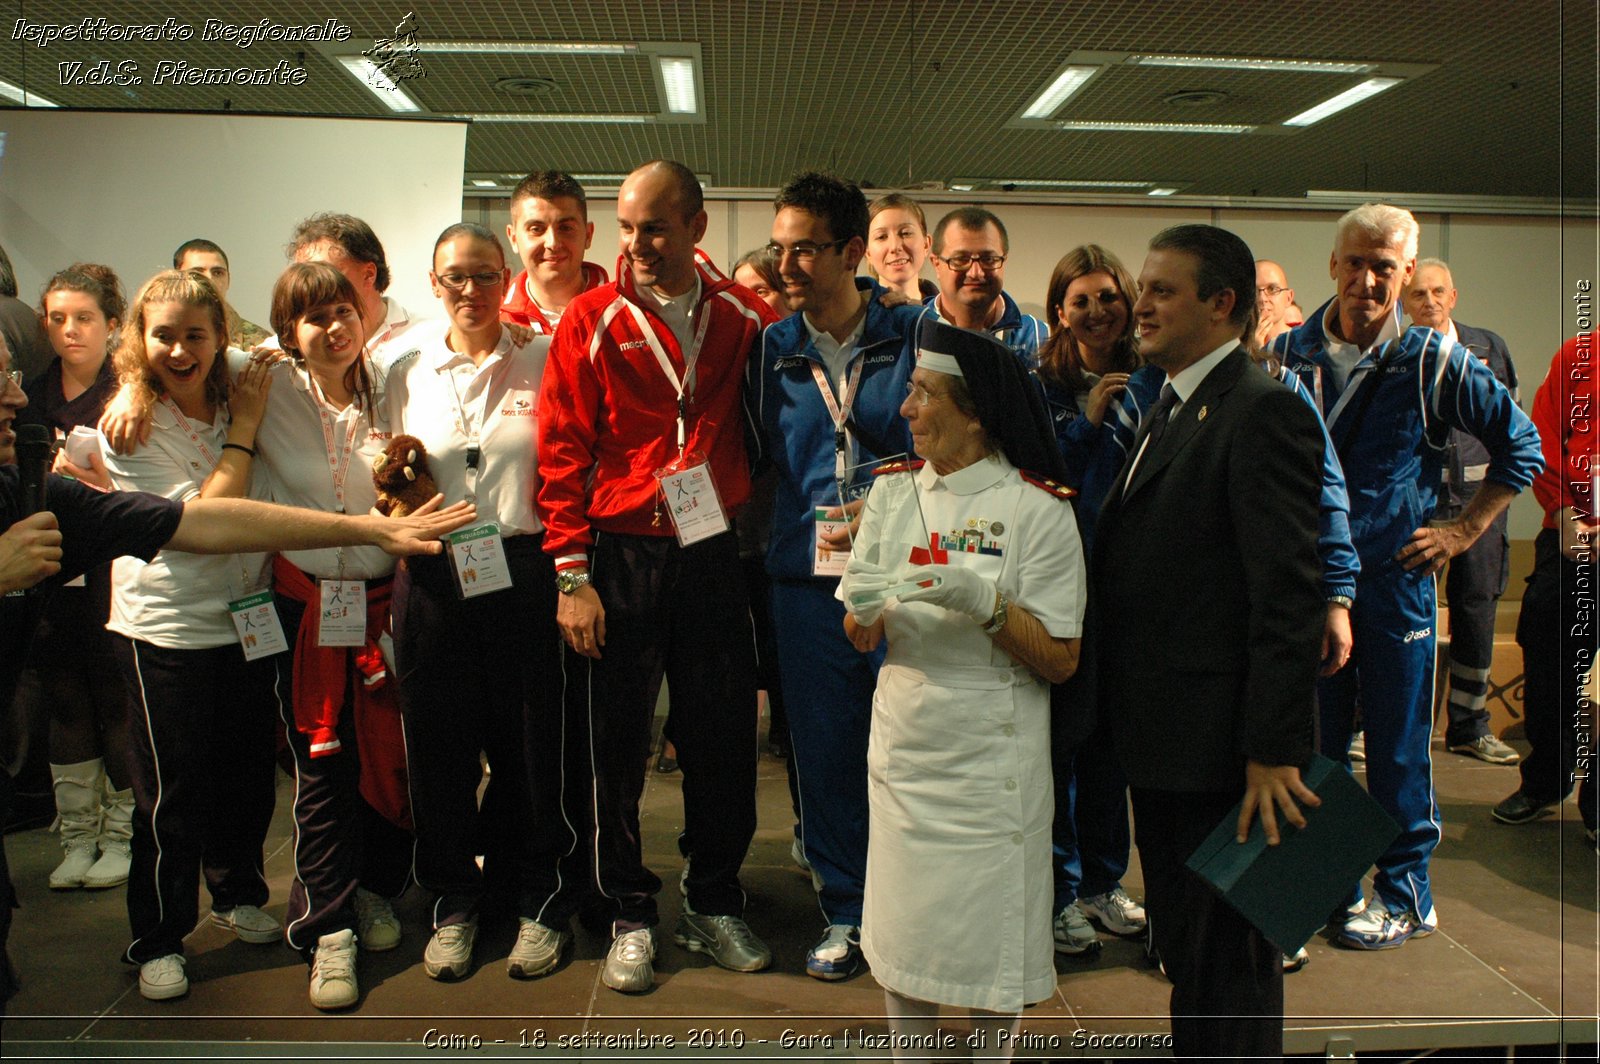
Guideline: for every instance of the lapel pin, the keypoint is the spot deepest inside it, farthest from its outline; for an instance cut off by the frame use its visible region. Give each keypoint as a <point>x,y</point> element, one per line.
<point>1201,416</point>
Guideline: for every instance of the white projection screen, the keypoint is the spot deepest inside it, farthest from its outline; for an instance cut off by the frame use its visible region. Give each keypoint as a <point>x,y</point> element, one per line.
<point>126,188</point>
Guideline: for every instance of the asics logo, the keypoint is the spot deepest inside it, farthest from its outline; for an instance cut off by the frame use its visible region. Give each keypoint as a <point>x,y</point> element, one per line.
<point>1420,633</point>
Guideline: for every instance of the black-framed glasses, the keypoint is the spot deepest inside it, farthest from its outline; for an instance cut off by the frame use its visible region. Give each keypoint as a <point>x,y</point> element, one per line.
<point>961,262</point>
<point>457,281</point>
<point>803,252</point>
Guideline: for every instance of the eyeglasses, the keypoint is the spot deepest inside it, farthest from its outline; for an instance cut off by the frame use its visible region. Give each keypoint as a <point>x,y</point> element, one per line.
<point>803,252</point>
<point>961,262</point>
<point>457,281</point>
<point>921,394</point>
<point>1271,291</point>
<point>14,376</point>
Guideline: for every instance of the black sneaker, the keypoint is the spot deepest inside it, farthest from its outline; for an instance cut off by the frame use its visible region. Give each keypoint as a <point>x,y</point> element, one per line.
<point>1519,809</point>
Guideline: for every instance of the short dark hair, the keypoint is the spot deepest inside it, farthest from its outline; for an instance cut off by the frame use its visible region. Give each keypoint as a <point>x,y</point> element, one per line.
<point>1223,260</point>
<point>350,233</point>
<point>690,195</point>
<point>833,199</point>
<point>550,185</point>
<point>8,276</point>
<point>99,283</point>
<point>197,244</point>
<point>302,288</point>
<point>475,231</point>
<point>973,220</point>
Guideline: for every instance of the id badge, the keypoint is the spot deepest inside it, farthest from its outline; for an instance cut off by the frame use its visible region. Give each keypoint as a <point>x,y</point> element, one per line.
<point>828,560</point>
<point>255,620</point>
<point>693,503</point>
<point>478,558</point>
<point>343,617</point>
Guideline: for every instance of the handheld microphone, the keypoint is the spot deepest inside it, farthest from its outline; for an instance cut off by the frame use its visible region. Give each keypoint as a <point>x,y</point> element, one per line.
<point>33,462</point>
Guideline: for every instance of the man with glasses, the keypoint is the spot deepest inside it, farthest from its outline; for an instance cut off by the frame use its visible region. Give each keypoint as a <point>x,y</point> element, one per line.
<point>824,393</point>
<point>1478,575</point>
<point>643,464</point>
<point>1273,299</point>
<point>969,257</point>
<point>549,230</point>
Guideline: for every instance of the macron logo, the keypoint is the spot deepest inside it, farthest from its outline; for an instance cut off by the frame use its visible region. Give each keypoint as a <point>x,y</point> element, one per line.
<point>632,345</point>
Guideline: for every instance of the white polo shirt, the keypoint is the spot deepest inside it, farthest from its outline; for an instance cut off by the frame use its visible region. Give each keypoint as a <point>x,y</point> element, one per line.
<point>293,444</point>
<point>178,600</point>
<point>447,402</point>
<point>399,333</point>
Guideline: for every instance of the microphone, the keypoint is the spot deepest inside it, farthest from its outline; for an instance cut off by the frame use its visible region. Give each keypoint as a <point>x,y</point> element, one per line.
<point>33,462</point>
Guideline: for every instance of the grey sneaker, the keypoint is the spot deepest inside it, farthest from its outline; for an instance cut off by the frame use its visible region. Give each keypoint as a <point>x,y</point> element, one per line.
<point>1074,936</point>
<point>333,971</point>
<point>1115,911</point>
<point>249,923</point>
<point>728,940</point>
<point>538,949</point>
<point>629,964</point>
<point>449,952</point>
<point>162,979</point>
<point>377,927</point>
<point>1487,748</point>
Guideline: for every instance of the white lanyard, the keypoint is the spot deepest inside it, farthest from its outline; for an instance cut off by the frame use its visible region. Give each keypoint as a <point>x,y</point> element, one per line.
<point>839,412</point>
<point>690,357</point>
<point>338,459</point>
<point>474,433</point>
<point>207,457</point>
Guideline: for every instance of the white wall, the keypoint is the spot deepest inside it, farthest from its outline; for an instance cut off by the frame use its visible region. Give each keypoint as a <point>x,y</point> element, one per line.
<point>126,188</point>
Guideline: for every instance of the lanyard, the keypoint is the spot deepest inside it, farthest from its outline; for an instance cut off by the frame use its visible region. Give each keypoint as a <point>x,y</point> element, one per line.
<point>690,357</point>
<point>338,457</point>
<point>474,433</point>
<point>839,412</point>
<point>207,456</point>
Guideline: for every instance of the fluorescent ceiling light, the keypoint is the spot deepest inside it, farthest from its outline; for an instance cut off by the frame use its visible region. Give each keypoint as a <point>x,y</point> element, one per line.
<point>957,187</point>
<point>377,82</point>
<point>485,184</point>
<point>1229,62</point>
<point>26,97</point>
<point>599,179</point>
<point>677,75</point>
<point>527,47</point>
<point>1066,83</point>
<point>1161,192</point>
<point>1025,182</point>
<point>1348,98</point>
<point>1152,127</point>
<point>512,116</point>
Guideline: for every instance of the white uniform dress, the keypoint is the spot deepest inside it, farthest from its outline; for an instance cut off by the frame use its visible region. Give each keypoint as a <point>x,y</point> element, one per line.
<point>959,886</point>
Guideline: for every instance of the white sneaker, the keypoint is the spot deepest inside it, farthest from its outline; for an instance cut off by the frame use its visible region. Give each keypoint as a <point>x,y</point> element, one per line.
<point>80,856</point>
<point>162,979</point>
<point>629,966</point>
<point>449,953</point>
<point>333,971</point>
<point>537,950</point>
<point>1115,911</point>
<point>377,927</point>
<point>249,923</point>
<point>1073,934</point>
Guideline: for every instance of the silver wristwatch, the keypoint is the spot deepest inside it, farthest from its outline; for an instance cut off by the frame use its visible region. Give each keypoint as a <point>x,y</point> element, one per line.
<point>570,580</point>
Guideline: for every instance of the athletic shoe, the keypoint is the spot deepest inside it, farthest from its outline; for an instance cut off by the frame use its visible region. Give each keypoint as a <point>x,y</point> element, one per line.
<point>837,955</point>
<point>249,923</point>
<point>1293,962</point>
<point>449,952</point>
<point>377,927</point>
<point>162,979</point>
<point>797,853</point>
<point>1518,808</point>
<point>1341,916</point>
<point>1358,746</point>
<point>1487,748</point>
<point>1115,911</point>
<point>1074,936</point>
<point>537,951</point>
<point>628,966</point>
<point>333,971</point>
<point>727,939</point>
<point>1381,928</point>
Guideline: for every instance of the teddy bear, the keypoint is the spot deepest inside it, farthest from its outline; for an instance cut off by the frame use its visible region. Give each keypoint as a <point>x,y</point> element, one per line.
<point>401,476</point>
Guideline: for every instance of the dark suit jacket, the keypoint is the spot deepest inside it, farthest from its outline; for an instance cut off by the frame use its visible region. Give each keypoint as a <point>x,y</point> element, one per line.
<point>1206,573</point>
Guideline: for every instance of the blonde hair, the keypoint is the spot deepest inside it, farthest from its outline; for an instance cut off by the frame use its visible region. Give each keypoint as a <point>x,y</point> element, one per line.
<point>132,361</point>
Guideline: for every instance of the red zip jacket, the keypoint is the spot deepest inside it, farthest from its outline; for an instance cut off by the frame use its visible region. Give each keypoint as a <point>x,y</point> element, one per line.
<point>608,414</point>
<point>1564,413</point>
<point>520,309</point>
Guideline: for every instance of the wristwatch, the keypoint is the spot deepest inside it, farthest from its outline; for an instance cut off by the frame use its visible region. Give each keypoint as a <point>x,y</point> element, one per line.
<point>1341,600</point>
<point>570,580</point>
<point>1002,611</point>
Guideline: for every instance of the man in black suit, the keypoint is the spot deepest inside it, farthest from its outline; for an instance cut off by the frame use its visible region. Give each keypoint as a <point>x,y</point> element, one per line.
<point>1206,570</point>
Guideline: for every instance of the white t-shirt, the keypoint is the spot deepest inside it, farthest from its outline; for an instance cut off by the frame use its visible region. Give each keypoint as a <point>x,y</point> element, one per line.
<point>445,401</point>
<point>178,600</point>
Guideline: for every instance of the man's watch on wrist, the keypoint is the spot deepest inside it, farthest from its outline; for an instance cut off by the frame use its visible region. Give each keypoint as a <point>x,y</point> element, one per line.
<point>1002,613</point>
<point>570,580</point>
<point>1341,600</point>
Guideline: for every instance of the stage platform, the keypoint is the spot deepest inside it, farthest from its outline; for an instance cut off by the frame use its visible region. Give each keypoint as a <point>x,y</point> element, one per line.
<point>1513,964</point>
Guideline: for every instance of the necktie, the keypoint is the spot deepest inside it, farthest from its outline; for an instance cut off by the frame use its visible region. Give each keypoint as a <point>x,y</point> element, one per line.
<point>1159,415</point>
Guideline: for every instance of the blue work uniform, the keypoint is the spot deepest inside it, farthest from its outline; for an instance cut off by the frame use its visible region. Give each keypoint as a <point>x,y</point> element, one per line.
<point>1023,333</point>
<point>1392,447</point>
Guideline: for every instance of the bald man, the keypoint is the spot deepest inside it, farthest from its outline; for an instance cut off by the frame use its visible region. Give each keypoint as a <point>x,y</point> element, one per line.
<point>1477,578</point>
<point>1273,299</point>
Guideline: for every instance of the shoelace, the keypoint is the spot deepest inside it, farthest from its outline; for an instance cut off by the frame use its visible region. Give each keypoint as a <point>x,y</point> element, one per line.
<point>452,935</point>
<point>335,963</point>
<point>634,946</point>
<point>163,966</point>
<point>837,943</point>
<point>735,928</point>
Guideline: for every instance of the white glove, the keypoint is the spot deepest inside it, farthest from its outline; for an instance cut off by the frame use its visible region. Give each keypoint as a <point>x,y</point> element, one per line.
<point>957,589</point>
<point>865,591</point>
